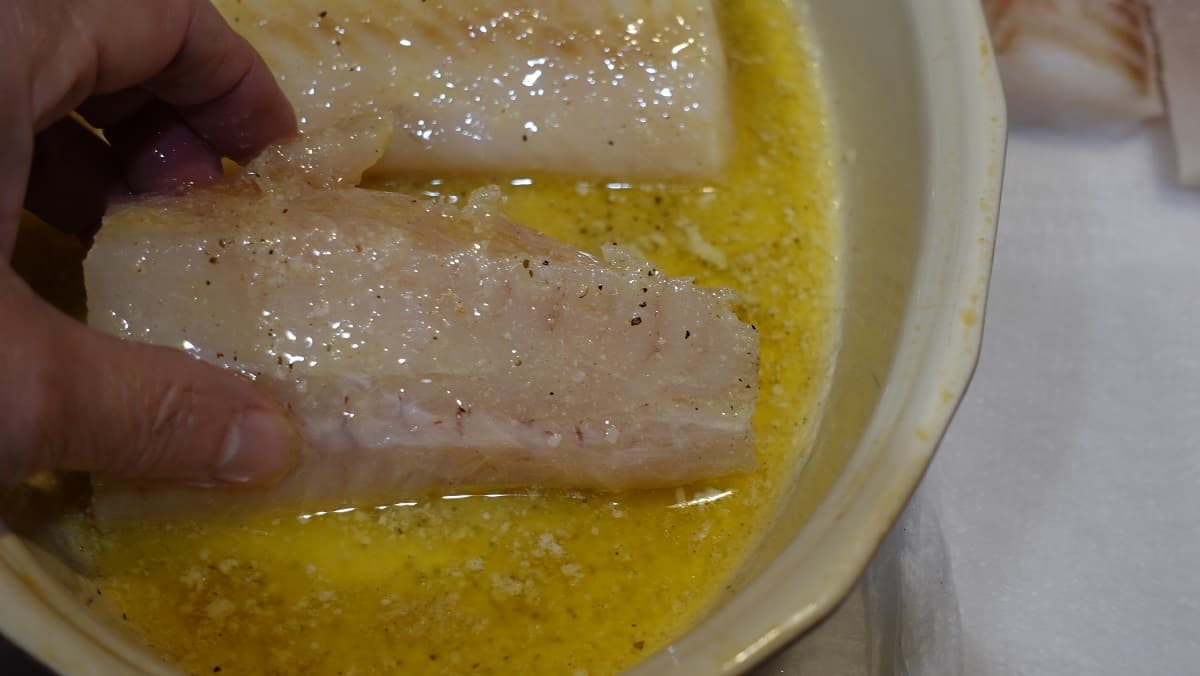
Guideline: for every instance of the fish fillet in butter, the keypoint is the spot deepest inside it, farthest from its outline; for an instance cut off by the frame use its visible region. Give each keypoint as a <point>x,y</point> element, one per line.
<point>616,88</point>
<point>423,347</point>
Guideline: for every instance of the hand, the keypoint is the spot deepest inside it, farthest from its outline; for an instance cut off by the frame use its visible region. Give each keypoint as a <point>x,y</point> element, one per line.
<point>174,88</point>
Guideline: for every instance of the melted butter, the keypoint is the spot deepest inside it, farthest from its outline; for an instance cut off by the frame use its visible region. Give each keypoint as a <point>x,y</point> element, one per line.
<point>574,584</point>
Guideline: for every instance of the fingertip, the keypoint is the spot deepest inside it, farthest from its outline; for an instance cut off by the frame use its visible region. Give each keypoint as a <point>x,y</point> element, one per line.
<point>259,447</point>
<point>248,118</point>
<point>153,413</point>
<point>158,152</point>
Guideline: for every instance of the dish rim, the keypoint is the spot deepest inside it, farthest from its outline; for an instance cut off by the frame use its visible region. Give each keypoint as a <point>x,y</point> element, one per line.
<point>963,115</point>
<point>75,643</point>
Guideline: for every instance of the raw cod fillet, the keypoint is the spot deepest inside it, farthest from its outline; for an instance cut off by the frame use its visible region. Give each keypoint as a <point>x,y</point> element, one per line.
<point>1103,63</point>
<point>1076,62</point>
<point>423,347</point>
<point>618,88</point>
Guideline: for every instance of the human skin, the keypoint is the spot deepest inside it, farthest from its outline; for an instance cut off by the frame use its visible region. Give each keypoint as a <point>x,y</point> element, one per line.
<point>174,89</point>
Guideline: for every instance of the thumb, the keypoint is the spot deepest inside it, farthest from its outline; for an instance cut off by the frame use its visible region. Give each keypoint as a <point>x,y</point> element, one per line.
<point>78,400</point>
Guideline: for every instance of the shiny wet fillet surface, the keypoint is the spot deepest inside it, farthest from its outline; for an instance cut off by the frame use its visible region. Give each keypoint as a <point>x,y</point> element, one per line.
<point>423,347</point>
<point>620,88</point>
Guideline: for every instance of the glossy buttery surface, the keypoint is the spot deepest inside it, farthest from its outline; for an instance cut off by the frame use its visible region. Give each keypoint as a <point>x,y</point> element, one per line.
<point>559,583</point>
<point>608,87</point>
<point>422,347</point>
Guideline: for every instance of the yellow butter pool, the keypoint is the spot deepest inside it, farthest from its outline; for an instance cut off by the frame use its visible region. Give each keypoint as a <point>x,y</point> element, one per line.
<point>526,584</point>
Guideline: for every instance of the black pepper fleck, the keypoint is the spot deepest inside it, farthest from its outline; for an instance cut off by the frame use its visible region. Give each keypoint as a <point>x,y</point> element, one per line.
<point>642,304</point>
<point>635,321</point>
<point>687,334</point>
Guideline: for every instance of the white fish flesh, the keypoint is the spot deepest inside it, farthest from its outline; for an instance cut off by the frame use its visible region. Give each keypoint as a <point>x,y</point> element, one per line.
<point>1076,63</point>
<point>423,347</point>
<point>619,88</point>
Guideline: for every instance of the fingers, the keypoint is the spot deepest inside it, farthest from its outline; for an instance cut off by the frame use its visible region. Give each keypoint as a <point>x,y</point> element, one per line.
<point>74,172</point>
<point>158,152</point>
<point>221,87</point>
<point>72,398</point>
<point>177,88</point>
<point>16,152</point>
<point>181,51</point>
<point>75,399</point>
